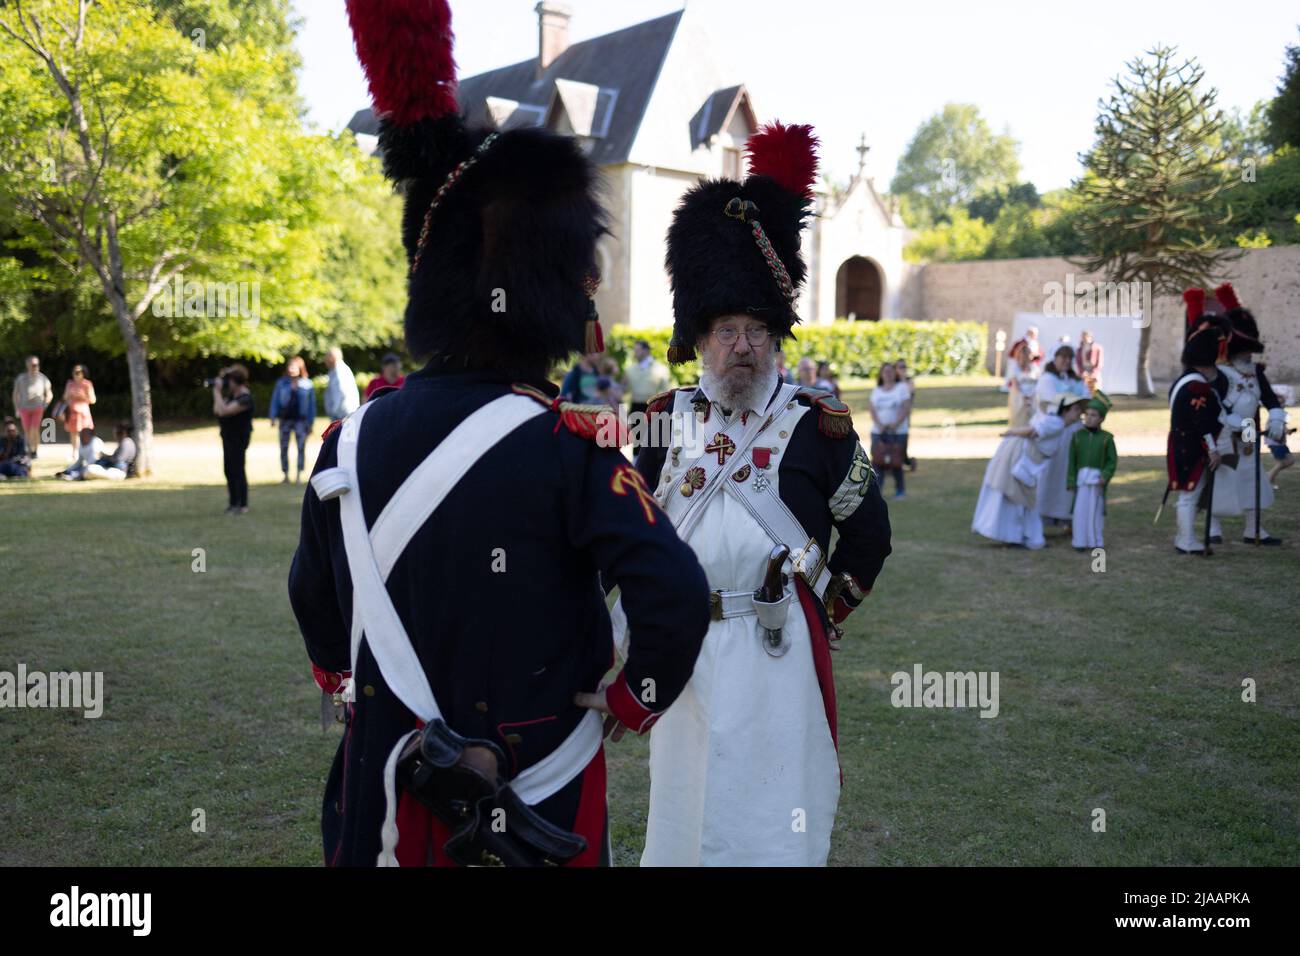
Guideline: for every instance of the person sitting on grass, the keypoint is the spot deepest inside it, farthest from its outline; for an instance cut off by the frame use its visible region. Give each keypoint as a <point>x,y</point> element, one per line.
<point>14,458</point>
<point>115,467</point>
<point>88,452</point>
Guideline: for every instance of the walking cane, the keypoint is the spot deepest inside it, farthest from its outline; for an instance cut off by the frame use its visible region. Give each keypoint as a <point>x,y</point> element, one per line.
<point>1209,510</point>
<point>1257,467</point>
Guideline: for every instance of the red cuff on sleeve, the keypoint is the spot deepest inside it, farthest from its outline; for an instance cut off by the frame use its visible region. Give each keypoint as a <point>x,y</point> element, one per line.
<point>843,608</point>
<point>328,681</point>
<point>623,704</point>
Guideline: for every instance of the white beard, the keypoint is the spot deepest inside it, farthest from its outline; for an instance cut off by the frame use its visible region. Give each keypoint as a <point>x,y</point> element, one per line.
<point>752,395</point>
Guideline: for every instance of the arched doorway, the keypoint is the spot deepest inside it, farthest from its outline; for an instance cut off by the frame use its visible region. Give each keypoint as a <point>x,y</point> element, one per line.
<point>859,289</point>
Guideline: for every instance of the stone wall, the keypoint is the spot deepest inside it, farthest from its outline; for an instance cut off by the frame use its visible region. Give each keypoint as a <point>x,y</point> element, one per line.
<point>1267,282</point>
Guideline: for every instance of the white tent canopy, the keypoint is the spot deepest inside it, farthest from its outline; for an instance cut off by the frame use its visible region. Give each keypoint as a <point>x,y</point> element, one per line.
<point>1118,335</point>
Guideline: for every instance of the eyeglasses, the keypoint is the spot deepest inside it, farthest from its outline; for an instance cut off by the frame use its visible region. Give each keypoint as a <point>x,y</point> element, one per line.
<point>728,336</point>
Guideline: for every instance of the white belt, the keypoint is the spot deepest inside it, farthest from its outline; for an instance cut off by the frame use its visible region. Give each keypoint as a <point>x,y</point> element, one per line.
<point>371,556</point>
<point>724,605</point>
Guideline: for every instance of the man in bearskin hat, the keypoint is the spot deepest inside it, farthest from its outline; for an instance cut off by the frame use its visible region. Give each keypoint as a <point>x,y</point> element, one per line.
<point>1243,387</point>
<point>448,579</point>
<point>1195,446</point>
<point>743,768</point>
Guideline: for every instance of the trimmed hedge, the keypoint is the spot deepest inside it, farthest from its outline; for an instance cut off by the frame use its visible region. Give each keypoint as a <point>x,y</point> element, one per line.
<point>855,349</point>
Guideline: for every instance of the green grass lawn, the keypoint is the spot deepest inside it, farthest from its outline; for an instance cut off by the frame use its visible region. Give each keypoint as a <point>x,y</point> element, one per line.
<point>1118,690</point>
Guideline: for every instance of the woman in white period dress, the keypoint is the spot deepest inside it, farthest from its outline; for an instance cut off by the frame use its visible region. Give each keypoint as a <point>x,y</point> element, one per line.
<point>1055,501</point>
<point>1022,382</point>
<point>1007,507</point>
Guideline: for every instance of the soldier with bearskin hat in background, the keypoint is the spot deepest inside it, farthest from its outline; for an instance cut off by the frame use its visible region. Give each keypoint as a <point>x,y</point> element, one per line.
<point>743,768</point>
<point>448,577</point>
<point>1195,447</point>
<point>1243,387</point>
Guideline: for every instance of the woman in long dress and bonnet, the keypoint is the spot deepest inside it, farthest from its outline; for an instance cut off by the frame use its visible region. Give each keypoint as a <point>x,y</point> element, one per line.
<point>1007,509</point>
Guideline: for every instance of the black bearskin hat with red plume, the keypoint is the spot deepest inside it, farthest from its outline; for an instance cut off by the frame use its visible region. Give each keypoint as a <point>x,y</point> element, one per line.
<point>1245,331</point>
<point>501,278</point>
<point>734,247</point>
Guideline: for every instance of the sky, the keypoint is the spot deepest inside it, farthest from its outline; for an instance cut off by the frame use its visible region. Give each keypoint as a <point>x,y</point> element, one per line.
<point>1034,69</point>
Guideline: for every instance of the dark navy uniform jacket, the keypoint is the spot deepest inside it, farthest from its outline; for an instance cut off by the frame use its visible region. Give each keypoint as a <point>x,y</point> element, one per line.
<point>505,650</point>
<point>1193,415</point>
<point>822,458</point>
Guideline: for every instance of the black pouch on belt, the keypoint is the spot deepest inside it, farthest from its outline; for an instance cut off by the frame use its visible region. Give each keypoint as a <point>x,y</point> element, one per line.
<point>459,780</point>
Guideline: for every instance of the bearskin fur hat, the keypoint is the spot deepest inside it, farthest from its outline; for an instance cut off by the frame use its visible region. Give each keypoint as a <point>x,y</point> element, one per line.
<point>1207,343</point>
<point>734,247</point>
<point>500,229</point>
<point>1245,330</point>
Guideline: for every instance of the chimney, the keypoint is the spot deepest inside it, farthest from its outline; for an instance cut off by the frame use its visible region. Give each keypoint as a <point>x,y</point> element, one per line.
<point>552,32</point>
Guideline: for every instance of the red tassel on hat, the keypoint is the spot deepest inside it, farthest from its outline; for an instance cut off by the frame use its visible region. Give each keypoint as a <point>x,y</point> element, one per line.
<point>1227,297</point>
<point>1195,299</point>
<point>785,154</point>
<point>405,47</point>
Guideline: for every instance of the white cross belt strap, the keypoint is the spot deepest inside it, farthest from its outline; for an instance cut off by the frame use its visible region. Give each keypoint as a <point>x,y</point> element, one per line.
<point>371,557</point>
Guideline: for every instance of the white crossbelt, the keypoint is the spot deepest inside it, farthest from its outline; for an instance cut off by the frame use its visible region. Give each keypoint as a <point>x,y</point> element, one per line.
<point>371,557</point>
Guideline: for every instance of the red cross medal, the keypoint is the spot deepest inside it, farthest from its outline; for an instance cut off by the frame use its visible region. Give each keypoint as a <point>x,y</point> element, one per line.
<point>723,445</point>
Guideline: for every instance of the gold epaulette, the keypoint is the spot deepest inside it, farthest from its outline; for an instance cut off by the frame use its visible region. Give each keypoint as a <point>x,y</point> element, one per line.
<point>834,420</point>
<point>586,421</point>
<point>660,402</point>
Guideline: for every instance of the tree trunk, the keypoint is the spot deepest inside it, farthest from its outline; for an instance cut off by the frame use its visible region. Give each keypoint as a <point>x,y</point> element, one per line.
<point>137,363</point>
<point>1144,385</point>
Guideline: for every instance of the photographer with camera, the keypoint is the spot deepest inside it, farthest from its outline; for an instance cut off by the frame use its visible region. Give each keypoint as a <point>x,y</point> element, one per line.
<point>232,403</point>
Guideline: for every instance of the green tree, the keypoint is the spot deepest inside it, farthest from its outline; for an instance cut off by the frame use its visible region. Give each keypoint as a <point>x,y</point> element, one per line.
<point>952,158</point>
<point>134,156</point>
<point>960,238</point>
<point>1284,111</point>
<point>1153,174</point>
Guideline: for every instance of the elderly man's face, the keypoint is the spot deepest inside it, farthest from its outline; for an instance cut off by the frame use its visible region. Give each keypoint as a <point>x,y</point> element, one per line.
<point>807,370</point>
<point>738,362</point>
<point>33,364</point>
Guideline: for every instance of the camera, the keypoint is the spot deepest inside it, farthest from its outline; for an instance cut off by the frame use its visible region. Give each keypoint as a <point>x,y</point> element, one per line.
<point>223,380</point>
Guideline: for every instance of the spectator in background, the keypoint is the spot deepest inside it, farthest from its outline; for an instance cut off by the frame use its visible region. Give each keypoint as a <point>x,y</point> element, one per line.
<point>32,393</point>
<point>609,390</point>
<point>93,463</point>
<point>580,385</point>
<point>342,397</point>
<point>390,376</point>
<point>905,380</point>
<point>293,402</point>
<point>1027,354</point>
<point>79,394</point>
<point>1087,361</point>
<point>806,371</point>
<point>826,380</point>
<point>14,459</point>
<point>116,466</point>
<point>888,425</point>
<point>645,378</point>
<point>89,448</point>
<point>783,374</point>
<point>232,403</point>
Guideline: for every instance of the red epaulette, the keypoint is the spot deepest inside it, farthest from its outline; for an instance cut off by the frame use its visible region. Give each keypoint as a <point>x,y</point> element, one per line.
<point>660,402</point>
<point>834,420</point>
<point>331,428</point>
<point>593,422</point>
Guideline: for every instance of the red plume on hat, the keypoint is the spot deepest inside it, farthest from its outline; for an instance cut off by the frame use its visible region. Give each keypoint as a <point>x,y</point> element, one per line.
<point>1195,300</point>
<point>1227,297</point>
<point>405,48</point>
<point>785,154</point>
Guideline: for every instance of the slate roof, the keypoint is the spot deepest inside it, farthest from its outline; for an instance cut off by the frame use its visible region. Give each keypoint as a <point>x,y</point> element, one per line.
<point>624,65</point>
